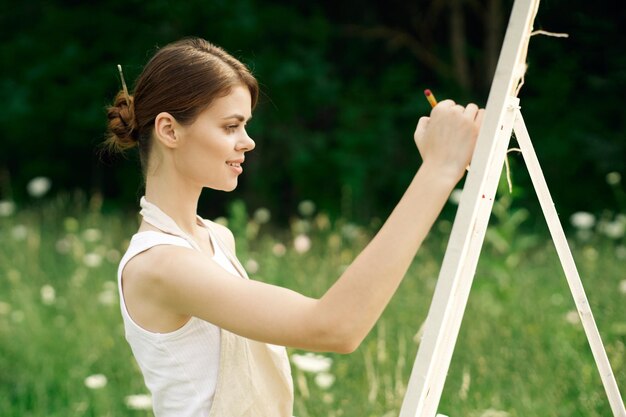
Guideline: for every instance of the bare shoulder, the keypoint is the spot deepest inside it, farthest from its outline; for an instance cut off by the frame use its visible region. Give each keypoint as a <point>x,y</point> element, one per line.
<point>155,263</point>
<point>147,282</point>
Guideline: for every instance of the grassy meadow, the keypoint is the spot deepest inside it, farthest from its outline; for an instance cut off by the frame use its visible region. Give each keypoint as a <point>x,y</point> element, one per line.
<point>521,350</point>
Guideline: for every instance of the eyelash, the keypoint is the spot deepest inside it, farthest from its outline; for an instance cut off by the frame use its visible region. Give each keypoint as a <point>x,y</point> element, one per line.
<point>231,128</point>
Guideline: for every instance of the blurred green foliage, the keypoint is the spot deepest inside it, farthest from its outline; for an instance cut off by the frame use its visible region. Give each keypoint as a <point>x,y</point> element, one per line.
<point>342,91</point>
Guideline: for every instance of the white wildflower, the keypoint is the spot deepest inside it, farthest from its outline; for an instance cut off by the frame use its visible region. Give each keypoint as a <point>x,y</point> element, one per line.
<point>38,186</point>
<point>622,286</point>
<point>139,402</point>
<point>252,266</point>
<point>582,220</point>
<point>48,294</point>
<point>324,380</point>
<point>63,245</point>
<point>7,208</point>
<point>19,232</point>
<point>556,299</point>
<point>279,249</point>
<point>262,215</point>
<point>455,196</point>
<point>614,229</point>
<point>302,243</point>
<point>96,381</point>
<point>92,260</point>
<point>310,362</point>
<point>306,208</point>
<point>613,178</point>
<point>92,234</point>
<point>107,297</point>
<point>572,317</point>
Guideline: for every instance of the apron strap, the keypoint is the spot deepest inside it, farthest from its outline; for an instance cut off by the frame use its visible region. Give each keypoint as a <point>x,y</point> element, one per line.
<point>157,218</point>
<point>226,249</point>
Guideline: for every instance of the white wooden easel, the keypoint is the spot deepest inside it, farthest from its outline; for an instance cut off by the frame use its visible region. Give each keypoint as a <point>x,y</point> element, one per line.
<point>502,117</point>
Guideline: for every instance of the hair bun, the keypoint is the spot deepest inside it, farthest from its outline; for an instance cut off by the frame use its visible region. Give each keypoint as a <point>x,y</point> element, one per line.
<point>122,123</point>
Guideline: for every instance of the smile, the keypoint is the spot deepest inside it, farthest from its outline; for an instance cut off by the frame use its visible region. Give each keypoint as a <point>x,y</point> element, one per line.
<point>235,166</point>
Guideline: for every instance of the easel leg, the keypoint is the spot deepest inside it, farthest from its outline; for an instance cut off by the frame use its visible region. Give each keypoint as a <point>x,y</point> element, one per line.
<point>569,267</point>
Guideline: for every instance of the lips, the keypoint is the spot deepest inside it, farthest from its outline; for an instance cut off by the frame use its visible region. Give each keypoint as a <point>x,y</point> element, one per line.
<point>236,165</point>
<point>235,162</point>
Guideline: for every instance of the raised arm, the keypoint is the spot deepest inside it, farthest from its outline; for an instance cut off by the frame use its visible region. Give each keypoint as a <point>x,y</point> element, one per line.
<point>446,142</point>
<point>184,282</point>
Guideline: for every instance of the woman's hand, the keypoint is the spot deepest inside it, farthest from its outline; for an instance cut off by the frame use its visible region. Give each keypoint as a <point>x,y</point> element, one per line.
<point>447,138</point>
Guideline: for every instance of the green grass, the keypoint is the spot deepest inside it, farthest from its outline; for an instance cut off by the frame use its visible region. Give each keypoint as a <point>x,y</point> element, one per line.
<point>518,352</point>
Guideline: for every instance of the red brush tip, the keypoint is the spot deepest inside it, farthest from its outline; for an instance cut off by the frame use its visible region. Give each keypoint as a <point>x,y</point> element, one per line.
<point>427,92</point>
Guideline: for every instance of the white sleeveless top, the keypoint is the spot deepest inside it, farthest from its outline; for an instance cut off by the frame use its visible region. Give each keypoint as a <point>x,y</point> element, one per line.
<point>180,368</point>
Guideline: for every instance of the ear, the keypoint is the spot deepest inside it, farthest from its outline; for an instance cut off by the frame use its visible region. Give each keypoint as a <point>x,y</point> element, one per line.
<point>165,129</point>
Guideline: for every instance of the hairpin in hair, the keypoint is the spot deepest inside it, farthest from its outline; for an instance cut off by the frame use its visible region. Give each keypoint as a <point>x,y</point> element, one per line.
<point>126,95</point>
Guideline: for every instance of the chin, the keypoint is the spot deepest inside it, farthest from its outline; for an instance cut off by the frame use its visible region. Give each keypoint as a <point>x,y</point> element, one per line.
<point>230,187</point>
<point>221,184</point>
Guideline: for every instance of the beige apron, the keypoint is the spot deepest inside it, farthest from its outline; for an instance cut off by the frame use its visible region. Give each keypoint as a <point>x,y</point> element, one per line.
<point>254,379</point>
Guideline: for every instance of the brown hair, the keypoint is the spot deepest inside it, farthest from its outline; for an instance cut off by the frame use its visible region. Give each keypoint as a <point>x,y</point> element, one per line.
<point>182,78</point>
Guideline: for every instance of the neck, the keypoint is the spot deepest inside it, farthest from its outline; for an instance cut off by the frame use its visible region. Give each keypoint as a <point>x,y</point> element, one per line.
<point>177,199</point>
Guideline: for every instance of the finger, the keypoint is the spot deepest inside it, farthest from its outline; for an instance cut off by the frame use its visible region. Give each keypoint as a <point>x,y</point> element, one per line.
<point>471,110</point>
<point>420,130</point>
<point>445,104</point>
<point>458,108</point>
<point>479,117</point>
<point>421,126</point>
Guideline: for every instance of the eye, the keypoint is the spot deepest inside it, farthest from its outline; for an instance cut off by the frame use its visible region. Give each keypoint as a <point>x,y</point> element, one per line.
<point>231,128</point>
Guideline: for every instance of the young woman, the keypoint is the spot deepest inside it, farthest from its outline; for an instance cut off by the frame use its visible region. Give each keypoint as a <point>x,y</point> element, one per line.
<point>208,339</point>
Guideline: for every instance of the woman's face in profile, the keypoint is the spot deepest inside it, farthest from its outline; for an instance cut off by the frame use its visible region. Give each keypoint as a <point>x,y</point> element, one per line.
<point>211,151</point>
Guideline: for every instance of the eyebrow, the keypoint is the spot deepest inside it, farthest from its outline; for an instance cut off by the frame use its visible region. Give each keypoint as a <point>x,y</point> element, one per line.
<point>237,116</point>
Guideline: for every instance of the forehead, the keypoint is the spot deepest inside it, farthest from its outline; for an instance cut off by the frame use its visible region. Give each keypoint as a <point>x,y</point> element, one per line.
<point>237,101</point>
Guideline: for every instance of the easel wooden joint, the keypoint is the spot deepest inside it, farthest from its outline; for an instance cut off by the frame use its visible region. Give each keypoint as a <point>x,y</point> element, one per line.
<point>502,117</point>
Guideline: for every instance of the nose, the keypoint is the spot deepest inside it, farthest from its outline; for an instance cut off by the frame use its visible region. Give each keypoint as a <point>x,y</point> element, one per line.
<point>246,143</point>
